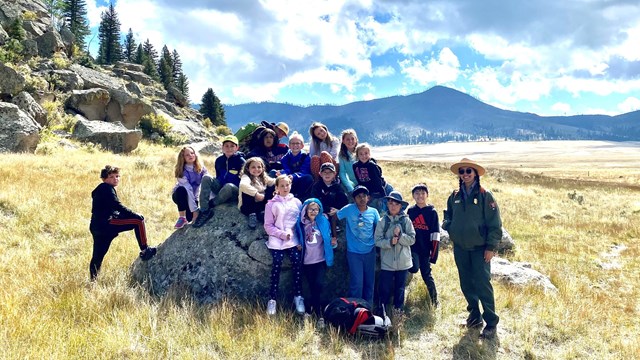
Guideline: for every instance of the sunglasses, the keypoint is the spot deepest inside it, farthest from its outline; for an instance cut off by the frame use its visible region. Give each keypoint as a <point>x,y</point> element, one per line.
<point>468,171</point>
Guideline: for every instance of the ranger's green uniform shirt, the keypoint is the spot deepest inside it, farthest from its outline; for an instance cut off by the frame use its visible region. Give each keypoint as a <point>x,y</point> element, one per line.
<point>473,222</point>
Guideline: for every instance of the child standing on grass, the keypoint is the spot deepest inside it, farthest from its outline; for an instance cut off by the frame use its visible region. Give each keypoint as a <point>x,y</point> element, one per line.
<point>255,189</point>
<point>225,184</point>
<point>361,256</point>
<point>109,218</point>
<point>347,157</point>
<point>189,171</point>
<point>394,236</point>
<point>317,251</point>
<point>280,218</point>
<point>296,162</point>
<point>369,174</point>
<point>323,147</point>
<point>425,250</point>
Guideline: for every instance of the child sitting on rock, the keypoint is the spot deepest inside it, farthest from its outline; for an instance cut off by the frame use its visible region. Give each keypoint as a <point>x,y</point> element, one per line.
<point>189,172</point>
<point>225,185</point>
<point>255,189</point>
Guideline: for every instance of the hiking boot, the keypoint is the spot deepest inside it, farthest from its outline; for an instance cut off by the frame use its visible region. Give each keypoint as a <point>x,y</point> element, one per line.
<point>298,301</point>
<point>253,222</point>
<point>489,332</point>
<point>271,307</point>
<point>204,216</point>
<point>320,324</point>
<point>147,253</point>
<point>182,221</point>
<point>474,323</point>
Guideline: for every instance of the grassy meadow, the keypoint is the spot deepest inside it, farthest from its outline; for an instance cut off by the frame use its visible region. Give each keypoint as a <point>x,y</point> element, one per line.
<point>49,309</point>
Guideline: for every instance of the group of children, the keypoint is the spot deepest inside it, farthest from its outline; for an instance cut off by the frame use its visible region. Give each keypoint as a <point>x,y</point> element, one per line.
<point>300,197</point>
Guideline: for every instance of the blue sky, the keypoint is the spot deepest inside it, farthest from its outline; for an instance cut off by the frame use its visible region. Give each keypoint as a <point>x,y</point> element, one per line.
<point>546,56</point>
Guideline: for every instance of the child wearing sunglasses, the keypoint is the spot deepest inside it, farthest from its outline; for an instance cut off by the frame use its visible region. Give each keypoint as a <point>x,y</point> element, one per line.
<point>472,219</point>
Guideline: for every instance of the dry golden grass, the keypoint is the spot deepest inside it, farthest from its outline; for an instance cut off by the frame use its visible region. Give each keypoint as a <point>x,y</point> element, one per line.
<point>48,308</point>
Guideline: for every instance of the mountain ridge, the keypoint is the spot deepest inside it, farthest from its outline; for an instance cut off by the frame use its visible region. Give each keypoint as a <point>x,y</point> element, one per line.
<point>438,114</point>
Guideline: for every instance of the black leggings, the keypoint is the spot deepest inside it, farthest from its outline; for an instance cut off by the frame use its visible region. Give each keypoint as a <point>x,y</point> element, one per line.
<point>102,240</point>
<point>181,198</point>
<point>314,273</point>
<point>251,206</point>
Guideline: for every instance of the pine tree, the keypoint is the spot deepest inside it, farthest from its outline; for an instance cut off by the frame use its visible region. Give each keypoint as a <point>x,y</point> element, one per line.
<point>130,47</point>
<point>75,18</point>
<point>177,66</point>
<point>150,68</point>
<point>212,108</point>
<point>109,34</point>
<point>139,59</point>
<point>150,51</point>
<point>16,29</point>
<point>55,9</point>
<point>183,85</point>
<point>164,70</point>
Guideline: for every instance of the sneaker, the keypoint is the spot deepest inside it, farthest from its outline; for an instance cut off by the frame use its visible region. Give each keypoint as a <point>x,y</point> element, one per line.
<point>147,253</point>
<point>298,301</point>
<point>320,324</point>
<point>182,221</point>
<point>253,222</point>
<point>489,332</point>
<point>271,307</point>
<point>203,217</point>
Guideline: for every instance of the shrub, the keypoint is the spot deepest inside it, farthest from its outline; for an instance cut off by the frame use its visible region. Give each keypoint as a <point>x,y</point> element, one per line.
<point>152,123</point>
<point>223,130</point>
<point>60,62</point>
<point>11,51</point>
<point>56,118</point>
<point>207,123</point>
<point>174,139</point>
<point>29,15</point>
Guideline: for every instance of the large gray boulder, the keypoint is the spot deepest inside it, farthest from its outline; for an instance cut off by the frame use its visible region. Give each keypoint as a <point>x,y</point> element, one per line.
<point>96,79</point>
<point>505,244</point>
<point>11,81</point>
<point>49,43</point>
<point>520,274</point>
<point>136,76</point>
<point>126,108</point>
<point>18,131</point>
<point>111,136</point>
<point>66,80</point>
<point>12,9</point>
<point>226,259</point>
<point>192,131</point>
<point>92,103</point>
<point>34,29</point>
<point>67,37</point>
<point>27,104</point>
<point>175,96</point>
<point>129,66</point>
<point>30,48</point>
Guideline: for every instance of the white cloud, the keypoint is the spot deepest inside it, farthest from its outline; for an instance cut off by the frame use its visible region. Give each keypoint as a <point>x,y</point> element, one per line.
<point>441,70</point>
<point>384,71</point>
<point>629,104</point>
<point>561,108</point>
<point>368,96</point>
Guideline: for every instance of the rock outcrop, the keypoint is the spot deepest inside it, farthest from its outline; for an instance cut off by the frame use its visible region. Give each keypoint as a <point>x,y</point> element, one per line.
<point>92,104</point>
<point>11,81</point>
<point>225,259</point>
<point>111,136</point>
<point>49,43</point>
<point>18,131</point>
<point>520,274</point>
<point>27,104</point>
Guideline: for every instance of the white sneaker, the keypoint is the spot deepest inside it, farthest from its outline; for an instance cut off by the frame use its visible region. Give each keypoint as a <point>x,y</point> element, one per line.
<point>298,301</point>
<point>271,307</point>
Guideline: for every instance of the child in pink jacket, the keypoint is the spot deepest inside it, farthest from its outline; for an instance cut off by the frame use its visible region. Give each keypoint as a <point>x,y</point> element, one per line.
<point>280,216</point>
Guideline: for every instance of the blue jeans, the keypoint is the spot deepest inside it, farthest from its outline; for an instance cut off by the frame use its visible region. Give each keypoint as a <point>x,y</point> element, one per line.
<point>362,273</point>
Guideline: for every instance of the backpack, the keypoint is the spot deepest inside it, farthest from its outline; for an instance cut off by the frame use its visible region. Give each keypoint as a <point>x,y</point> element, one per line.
<point>354,315</point>
<point>387,224</point>
<point>249,135</point>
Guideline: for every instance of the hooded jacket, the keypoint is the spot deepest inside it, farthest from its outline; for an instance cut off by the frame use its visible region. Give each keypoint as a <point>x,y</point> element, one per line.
<point>322,223</point>
<point>369,174</point>
<point>330,195</point>
<point>395,257</point>
<point>280,216</point>
<point>427,226</point>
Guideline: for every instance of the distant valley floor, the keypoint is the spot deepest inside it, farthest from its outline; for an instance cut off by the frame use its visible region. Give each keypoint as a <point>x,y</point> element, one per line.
<point>600,160</point>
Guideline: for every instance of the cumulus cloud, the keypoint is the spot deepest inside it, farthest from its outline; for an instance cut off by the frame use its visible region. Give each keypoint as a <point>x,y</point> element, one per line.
<point>629,104</point>
<point>503,52</point>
